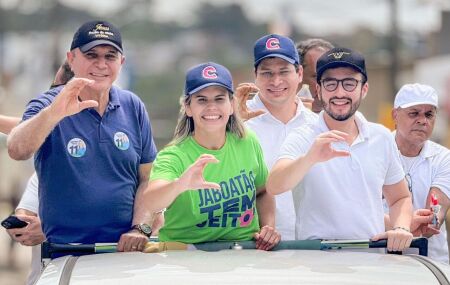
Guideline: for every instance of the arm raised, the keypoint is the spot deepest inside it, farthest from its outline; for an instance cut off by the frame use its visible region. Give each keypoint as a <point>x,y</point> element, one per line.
<point>27,137</point>
<point>287,173</point>
<point>161,193</point>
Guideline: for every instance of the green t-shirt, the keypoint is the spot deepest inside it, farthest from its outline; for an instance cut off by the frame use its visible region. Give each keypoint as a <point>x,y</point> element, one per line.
<point>208,214</point>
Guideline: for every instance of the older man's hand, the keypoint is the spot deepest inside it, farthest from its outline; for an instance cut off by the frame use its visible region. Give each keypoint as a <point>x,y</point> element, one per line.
<point>132,241</point>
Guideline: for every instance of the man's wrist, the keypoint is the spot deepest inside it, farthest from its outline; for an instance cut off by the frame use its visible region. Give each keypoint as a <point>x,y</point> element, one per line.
<point>136,231</point>
<point>401,228</point>
<point>308,160</point>
<point>143,229</point>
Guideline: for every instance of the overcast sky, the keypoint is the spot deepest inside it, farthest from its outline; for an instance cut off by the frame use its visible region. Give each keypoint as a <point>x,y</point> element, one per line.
<point>322,16</point>
<point>317,17</point>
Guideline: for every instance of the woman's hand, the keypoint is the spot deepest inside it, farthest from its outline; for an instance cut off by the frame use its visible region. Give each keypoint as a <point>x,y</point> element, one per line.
<point>193,178</point>
<point>267,238</point>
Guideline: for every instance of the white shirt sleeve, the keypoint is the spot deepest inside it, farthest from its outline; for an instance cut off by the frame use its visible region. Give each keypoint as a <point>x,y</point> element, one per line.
<point>30,199</point>
<point>395,171</point>
<point>442,178</point>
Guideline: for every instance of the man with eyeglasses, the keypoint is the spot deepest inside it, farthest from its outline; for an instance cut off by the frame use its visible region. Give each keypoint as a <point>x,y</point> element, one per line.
<point>275,110</point>
<point>426,163</point>
<point>340,166</point>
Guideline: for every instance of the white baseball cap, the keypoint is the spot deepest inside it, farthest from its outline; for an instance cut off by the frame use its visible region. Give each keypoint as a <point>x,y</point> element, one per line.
<point>415,94</point>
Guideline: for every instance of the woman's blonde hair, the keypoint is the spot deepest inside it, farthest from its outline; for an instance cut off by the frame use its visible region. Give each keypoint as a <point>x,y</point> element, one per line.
<point>185,126</point>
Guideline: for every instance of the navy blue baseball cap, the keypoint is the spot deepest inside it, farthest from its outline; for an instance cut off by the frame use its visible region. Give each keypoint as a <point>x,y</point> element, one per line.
<point>95,33</point>
<point>274,45</point>
<point>207,74</point>
<point>340,57</point>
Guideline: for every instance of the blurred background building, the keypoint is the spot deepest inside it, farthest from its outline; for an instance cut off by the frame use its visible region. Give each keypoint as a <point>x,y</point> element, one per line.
<point>404,41</point>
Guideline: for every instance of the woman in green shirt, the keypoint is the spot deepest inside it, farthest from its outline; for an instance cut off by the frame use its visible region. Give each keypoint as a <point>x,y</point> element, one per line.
<point>211,177</point>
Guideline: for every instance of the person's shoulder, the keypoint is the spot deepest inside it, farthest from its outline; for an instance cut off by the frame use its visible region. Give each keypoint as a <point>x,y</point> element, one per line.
<point>54,91</point>
<point>130,102</point>
<point>250,135</point>
<point>309,127</point>
<point>437,150</point>
<point>171,159</point>
<point>438,157</point>
<point>127,96</point>
<point>376,129</point>
<point>43,99</point>
<point>380,135</point>
<point>379,128</point>
<point>255,122</point>
<point>49,94</point>
<point>121,91</point>
<point>437,146</point>
<point>173,148</point>
<point>172,152</point>
<point>309,117</point>
<point>234,139</point>
<point>179,148</point>
<point>304,134</point>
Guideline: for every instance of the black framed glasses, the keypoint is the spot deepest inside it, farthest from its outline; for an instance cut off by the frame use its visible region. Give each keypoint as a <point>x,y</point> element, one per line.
<point>331,84</point>
<point>409,181</point>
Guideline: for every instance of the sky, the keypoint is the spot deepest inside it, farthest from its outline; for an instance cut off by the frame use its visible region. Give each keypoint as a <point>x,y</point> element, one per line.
<point>317,17</point>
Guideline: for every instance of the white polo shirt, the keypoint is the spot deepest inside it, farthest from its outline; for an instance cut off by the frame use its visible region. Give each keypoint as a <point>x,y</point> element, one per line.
<point>431,169</point>
<point>341,198</point>
<point>30,199</point>
<point>271,133</point>
<point>30,202</point>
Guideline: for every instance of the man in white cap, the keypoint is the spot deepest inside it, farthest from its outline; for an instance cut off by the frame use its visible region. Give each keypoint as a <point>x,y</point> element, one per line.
<point>426,163</point>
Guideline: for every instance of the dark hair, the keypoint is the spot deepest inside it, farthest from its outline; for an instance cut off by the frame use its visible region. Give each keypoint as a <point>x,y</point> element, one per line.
<point>305,46</point>
<point>63,75</point>
<point>294,64</point>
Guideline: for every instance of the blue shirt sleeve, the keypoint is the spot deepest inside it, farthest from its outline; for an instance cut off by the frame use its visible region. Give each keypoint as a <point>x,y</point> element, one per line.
<point>40,102</point>
<point>149,150</point>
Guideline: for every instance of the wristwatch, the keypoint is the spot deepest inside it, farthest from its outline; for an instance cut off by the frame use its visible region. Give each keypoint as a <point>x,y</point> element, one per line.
<point>143,229</point>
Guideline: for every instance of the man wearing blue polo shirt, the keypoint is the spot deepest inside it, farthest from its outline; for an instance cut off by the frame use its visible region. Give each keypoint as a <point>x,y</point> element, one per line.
<point>93,148</point>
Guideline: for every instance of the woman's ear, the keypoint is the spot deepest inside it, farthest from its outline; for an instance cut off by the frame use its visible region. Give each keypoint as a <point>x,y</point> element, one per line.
<point>188,110</point>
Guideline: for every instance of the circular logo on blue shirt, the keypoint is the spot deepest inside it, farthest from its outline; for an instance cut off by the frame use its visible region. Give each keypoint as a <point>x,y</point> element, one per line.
<point>121,141</point>
<point>76,147</point>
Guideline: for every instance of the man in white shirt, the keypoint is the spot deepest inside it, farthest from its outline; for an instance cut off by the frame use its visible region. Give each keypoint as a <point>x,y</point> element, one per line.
<point>28,207</point>
<point>275,110</point>
<point>341,165</point>
<point>426,163</point>
<point>32,234</point>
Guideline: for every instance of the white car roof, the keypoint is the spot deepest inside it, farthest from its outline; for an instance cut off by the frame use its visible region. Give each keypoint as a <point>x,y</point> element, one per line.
<point>240,267</point>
